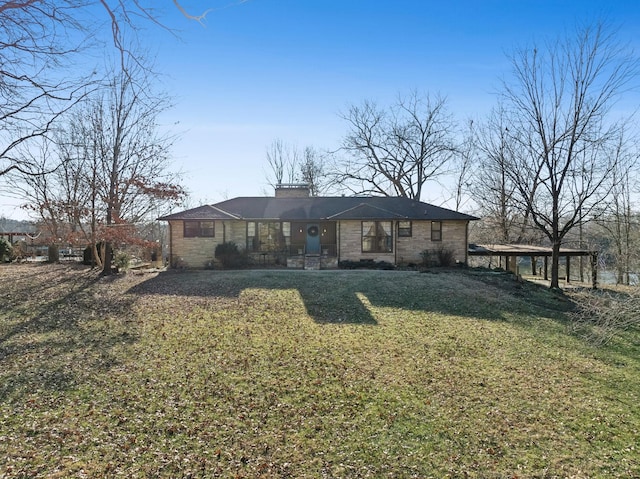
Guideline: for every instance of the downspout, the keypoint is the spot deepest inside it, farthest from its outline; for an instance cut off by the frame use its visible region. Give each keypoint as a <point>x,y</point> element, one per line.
<point>170,244</point>
<point>394,227</point>
<point>466,244</point>
<point>339,223</point>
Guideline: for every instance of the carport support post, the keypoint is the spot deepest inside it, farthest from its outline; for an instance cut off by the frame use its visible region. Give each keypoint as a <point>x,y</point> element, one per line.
<point>546,268</point>
<point>594,270</point>
<point>568,261</point>
<point>533,265</point>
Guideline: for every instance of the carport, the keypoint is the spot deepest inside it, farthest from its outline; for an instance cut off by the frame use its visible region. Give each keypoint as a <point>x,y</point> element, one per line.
<point>511,252</point>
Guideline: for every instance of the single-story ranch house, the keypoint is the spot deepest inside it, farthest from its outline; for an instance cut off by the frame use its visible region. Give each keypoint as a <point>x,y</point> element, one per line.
<point>315,232</point>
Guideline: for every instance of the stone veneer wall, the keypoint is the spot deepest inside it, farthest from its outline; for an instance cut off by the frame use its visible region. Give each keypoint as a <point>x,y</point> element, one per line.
<point>197,252</point>
<point>406,250</point>
<point>193,252</point>
<point>454,237</point>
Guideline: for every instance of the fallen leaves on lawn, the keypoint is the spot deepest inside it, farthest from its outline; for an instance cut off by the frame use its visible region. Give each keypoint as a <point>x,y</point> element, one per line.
<point>286,374</point>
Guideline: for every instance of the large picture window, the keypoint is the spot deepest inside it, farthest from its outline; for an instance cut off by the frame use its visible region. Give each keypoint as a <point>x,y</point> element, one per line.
<point>268,236</point>
<point>199,229</point>
<point>376,237</point>
<point>436,231</point>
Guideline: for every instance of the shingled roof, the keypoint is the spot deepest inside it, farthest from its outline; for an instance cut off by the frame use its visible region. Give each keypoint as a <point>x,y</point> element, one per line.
<point>206,212</point>
<point>319,208</point>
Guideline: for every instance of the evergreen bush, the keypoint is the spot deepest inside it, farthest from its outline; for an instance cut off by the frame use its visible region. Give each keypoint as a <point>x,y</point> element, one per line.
<point>229,255</point>
<point>5,250</point>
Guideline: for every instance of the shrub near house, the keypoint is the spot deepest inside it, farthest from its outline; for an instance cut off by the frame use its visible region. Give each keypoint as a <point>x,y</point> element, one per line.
<point>229,255</point>
<point>5,250</point>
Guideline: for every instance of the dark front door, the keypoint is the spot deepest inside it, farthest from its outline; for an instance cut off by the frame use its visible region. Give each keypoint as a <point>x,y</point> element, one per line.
<point>313,239</point>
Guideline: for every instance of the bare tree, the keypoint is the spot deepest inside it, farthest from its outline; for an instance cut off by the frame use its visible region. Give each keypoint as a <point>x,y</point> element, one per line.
<point>113,165</point>
<point>559,100</point>
<point>493,188</point>
<point>133,155</point>
<point>617,216</point>
<point>288,164</point>
<point>40,40</point>
<point>463,166</point>
<point>312,170</point>
<point>283,160</point>
<point>57,198</point>
<point>395,152</point>
<point>60,188</point>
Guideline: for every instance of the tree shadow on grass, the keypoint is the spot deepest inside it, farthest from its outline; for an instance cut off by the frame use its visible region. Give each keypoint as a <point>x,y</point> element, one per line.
<point>51,330</point>
<point>369,297</point>
<point>325,300</point>
<point>334,297</point>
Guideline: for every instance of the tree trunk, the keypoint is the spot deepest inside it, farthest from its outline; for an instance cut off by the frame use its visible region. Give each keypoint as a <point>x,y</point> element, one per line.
<point>96,262</point>
<point>555,265</point>
<point>53,254</point>
<point>107,259</point>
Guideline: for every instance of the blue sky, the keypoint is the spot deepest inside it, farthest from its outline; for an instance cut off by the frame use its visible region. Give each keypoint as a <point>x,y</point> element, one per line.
<point>267,69</point>
<point>261,70</point>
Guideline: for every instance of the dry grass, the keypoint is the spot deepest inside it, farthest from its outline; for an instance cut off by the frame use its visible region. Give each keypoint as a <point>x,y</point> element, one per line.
<point>306,374</point>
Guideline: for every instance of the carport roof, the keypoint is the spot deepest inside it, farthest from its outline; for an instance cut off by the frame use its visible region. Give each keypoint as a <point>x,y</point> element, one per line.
<point>522,250</point>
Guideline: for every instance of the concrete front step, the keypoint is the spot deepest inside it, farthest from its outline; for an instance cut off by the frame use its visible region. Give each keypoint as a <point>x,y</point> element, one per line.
<point>312,262</point>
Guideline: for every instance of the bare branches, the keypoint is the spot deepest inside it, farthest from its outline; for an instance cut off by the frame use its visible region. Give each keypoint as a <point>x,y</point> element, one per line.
<point>34,89</point>
<point>616,220</point>
<point>395,152</point>
<point>558,105</point>
<point>282,160</point>
<point>289,164</point>
<point>313,171</point>
<point>112,164</point>
<point>40,39</point>
<point>124,126</point>
<point>603,315</point>
<point>198,18</point>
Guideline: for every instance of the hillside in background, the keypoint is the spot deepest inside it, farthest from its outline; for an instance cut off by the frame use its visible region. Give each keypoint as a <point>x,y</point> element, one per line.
<point>8,225</point>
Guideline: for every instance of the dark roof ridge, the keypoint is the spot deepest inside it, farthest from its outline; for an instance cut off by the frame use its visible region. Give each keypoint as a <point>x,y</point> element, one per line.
<point>360,205</point>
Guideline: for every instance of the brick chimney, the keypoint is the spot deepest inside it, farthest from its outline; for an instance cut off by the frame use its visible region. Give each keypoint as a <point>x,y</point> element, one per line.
<point>292,190</point>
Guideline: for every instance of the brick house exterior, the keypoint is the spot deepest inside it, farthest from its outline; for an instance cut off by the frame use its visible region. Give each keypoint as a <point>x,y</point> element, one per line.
<point>302,231</point>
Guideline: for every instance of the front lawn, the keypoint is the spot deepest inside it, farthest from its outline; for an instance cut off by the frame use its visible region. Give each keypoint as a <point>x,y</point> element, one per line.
<point>306,374</point>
